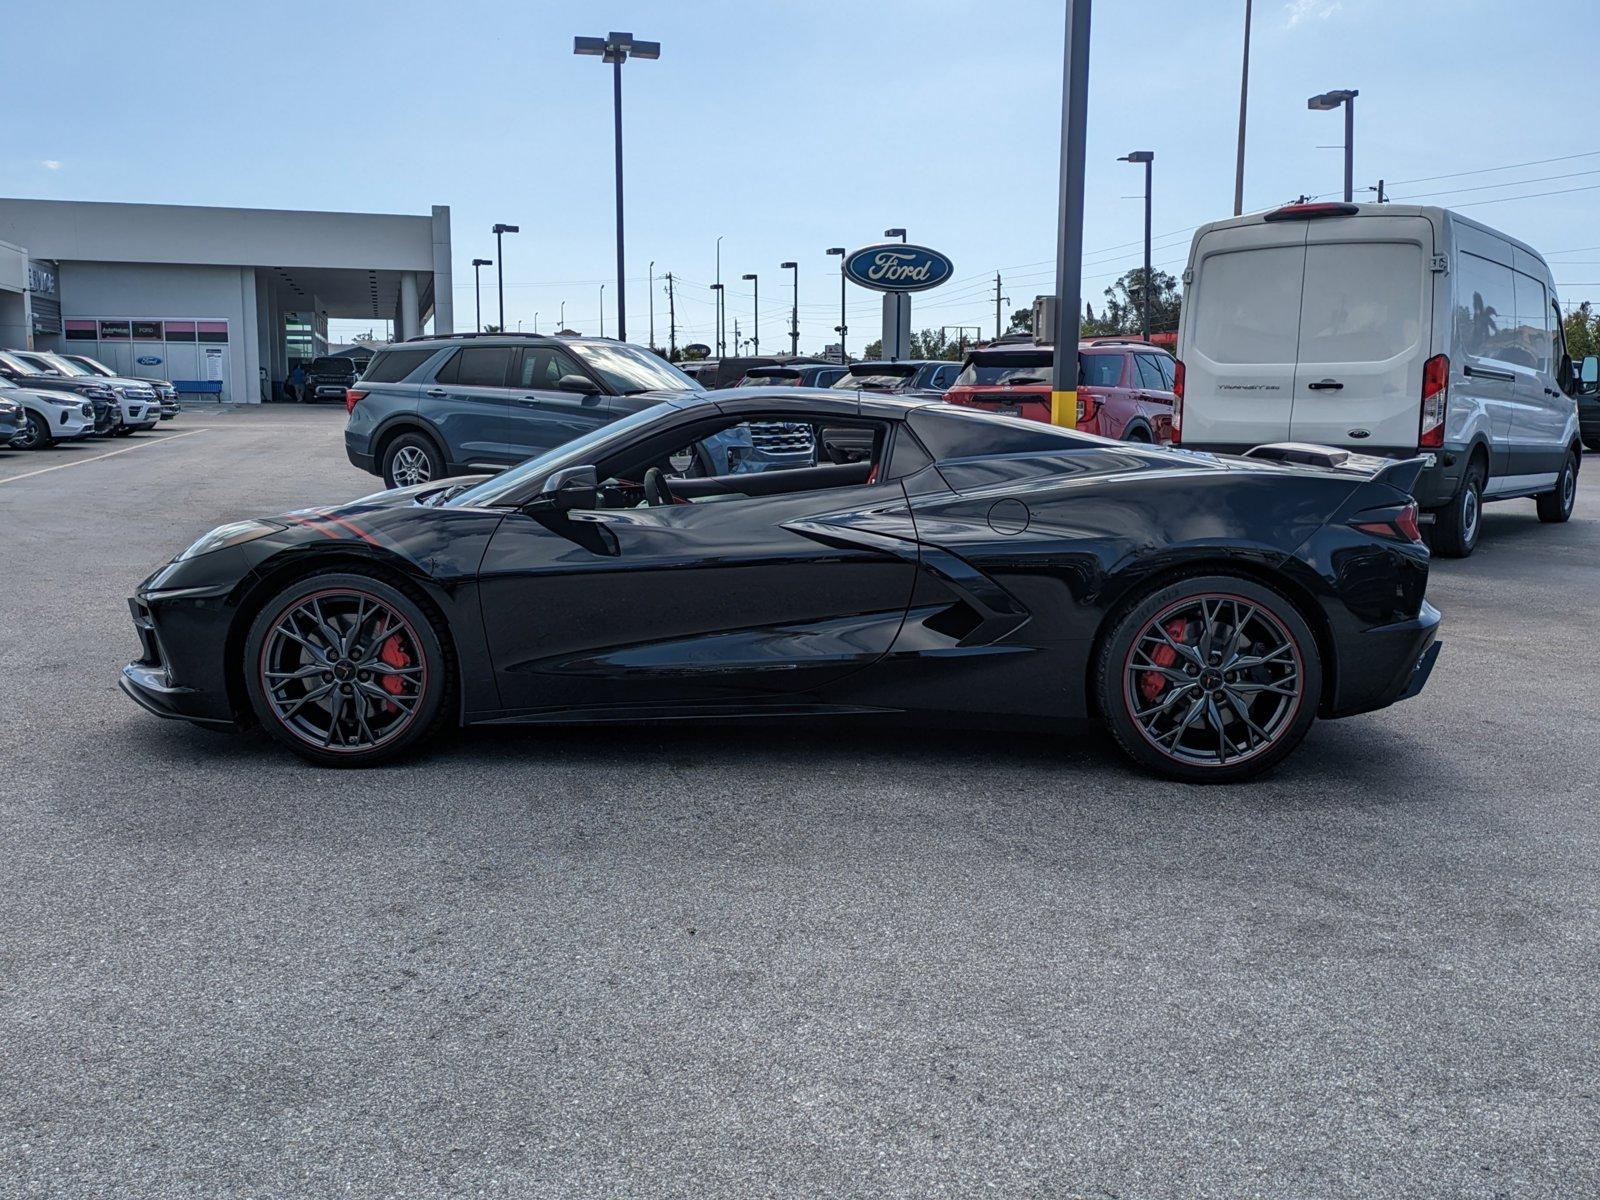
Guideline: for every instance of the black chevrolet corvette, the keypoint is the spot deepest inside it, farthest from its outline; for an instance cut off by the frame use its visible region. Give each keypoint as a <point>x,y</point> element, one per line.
<point>907,557</point>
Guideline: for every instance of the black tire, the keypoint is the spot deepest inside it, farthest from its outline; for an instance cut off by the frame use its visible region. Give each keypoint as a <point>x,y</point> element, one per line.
<point>1592,444</point>
<point>414,458</point>
<point>1457,525</point>
<point>1285,702</point>
<point>35,435</point>
<point>123,430</point>
<point>424,659</point>
<point>1555,506</point>
<point>1137,434</point>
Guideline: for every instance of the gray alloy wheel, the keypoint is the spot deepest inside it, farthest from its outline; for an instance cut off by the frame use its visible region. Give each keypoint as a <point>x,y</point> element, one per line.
<point>410,465</point>
<point>34,435</point>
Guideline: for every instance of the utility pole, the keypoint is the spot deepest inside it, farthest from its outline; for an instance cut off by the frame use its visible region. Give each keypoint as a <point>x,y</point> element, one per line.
<point>602,310</point>
<point>651,292</point>
<point>1383,196</point>
<point>1069,220</point>
<point>794,309</point>
<point>1146,157</point>
<point>672,320</point>
<point>998,300</point>
<point>1244,100</point>
<point>736,337</point>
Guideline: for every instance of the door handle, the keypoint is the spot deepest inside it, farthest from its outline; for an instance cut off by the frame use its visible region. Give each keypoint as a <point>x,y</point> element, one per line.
<point>437,392</point>
<point>1325,385</point>
<point>1485,373</point>
<point>1551,392</point>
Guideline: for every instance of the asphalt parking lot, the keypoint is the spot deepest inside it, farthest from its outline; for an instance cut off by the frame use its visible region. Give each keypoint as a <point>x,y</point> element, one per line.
<point>729,961</point>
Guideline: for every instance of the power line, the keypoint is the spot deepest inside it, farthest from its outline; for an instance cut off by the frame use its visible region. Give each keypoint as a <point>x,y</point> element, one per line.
<point>1486,187</point>
<point>1538,162</point>
<point>1530,196</point>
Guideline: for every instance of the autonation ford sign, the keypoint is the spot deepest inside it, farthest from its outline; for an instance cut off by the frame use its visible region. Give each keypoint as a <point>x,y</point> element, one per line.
<point>895,267</point>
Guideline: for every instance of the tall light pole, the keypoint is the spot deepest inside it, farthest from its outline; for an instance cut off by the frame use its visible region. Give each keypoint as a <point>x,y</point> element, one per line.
<point>841,328</point>
<point>536,320</point>
<point>1328,101</point>
<point>602,310</point>
<point>651,291</point>
<point>755,321</point>
<point>1148,158</point>
<point>616,49</point>
<point>563,316</point>
<point>477,286</point>
<point>899,233</point>
<point>794,310</point>
<point>1244,100</point>
<point>722,320</point>
<point>500,271</point>
<point>1069,215</point>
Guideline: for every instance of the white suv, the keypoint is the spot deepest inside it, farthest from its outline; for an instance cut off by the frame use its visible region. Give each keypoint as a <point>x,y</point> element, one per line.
<point>137,399</point>
<point>49,416</point>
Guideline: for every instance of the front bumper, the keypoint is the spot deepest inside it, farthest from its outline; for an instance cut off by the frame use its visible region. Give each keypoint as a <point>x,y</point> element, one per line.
<point>1386,664</point>
<point>326,391</point>
<point>191,689</point>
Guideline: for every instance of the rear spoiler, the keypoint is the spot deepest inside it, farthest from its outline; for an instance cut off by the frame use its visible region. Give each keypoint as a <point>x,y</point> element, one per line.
<point>1401,473</point>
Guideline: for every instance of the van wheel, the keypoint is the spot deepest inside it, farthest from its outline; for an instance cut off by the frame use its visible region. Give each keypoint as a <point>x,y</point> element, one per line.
<point>1456,525</point>
<point>1555,506</point>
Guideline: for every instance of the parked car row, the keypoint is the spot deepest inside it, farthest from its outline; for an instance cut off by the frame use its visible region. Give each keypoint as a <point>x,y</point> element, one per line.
<point>61,398</point>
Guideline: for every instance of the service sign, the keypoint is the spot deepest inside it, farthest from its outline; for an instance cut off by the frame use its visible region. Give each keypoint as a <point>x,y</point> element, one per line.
<point>896,267</point>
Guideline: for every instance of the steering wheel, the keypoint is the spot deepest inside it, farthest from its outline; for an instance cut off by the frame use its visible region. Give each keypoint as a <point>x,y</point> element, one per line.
<point>656,490</point>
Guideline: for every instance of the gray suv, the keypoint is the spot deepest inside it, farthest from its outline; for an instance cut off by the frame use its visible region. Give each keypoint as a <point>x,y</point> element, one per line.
<point>465,403</point>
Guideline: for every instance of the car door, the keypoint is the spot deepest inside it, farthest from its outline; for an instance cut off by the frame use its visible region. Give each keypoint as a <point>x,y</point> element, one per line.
<point>541,414</point>
<point>1484,313</point>
<point>1153,395</point>
<point>467,402</point>
<point>1541,414</point>
<point>729,602</point>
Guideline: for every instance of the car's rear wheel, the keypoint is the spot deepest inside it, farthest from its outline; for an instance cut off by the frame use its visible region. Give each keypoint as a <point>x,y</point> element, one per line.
<point>411,459</point>
<point>1555,506</point>
<point>1211,679</point>
<point>1457,524</point>
<point>34,435</point>
<point>347,670</point>
<point>1137,434</point>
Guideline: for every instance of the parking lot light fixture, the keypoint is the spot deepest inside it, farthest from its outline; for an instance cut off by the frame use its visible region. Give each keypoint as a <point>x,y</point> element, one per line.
<point>500,271</point>
<point>616,48</point>
<point>477,285</point>
<point>841,328</point>
<point>755,322</point>
<point>1147,157</point>
<point>899,233</point>
<point>602,310</point>
<point>794,310</point>
<point>1327,102</point>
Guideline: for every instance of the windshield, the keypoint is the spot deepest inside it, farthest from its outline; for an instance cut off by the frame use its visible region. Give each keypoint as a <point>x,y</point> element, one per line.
<point>877,377</point>
<point>22,367</point>
<point>333,366</point>
<point>627,369</point>
<point>592,445</point>
<point>54,362</point>
<point>769,377</point>
<point>89,365</point>
<point>992,370</point>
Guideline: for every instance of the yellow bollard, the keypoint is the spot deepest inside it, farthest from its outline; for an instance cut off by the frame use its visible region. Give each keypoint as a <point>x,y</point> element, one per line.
<point>1064,409</point>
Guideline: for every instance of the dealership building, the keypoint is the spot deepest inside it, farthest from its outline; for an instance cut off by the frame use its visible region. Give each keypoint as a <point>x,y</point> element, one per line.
<point>222,301</point>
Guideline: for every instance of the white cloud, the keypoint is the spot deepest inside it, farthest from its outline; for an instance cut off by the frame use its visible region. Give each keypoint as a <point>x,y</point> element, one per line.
<point>1301,11</point>
<point>51,164</point>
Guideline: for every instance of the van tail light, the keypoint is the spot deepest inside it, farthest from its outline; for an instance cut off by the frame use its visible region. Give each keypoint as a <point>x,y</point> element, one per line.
<point>1399,524</point>
<point>353,397</point>
<point>1435,402</point>
<point>1177,402</point>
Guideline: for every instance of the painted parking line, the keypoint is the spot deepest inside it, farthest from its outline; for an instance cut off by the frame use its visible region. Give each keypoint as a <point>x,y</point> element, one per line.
<point>110,454</point>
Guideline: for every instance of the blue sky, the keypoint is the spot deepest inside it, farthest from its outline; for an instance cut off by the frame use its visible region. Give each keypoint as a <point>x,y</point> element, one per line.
<point>788,126</point>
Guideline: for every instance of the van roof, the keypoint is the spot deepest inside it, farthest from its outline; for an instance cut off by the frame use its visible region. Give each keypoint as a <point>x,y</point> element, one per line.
<point>1432,213</point>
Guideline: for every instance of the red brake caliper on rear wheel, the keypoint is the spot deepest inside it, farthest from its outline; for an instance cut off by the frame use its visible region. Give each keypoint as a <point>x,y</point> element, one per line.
<point>1153,683</point>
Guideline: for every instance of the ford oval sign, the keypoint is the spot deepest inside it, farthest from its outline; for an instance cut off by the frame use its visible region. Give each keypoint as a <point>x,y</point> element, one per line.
<point>893,267</point>
<point>148,360</point>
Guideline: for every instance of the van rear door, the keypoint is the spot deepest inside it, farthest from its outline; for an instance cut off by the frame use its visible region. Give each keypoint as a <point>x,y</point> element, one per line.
<point>1366,313</point>
<point>1242,314</point>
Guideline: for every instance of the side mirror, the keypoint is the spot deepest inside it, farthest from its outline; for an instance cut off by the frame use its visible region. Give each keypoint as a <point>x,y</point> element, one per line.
<point>576,383</point>
<point>1589,373</point>
<point>570,488</point>
<point>841,444</point>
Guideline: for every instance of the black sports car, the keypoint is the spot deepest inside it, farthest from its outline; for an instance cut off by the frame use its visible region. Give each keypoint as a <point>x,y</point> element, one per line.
<point>933,559</point>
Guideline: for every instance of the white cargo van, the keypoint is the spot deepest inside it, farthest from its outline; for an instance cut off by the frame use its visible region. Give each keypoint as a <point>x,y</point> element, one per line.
<point>1390,329</point>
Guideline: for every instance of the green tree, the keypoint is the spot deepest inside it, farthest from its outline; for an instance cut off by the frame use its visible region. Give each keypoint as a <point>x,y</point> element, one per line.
<point>1093,326</point>
<point>1021,321</point>
<point>1583,332</point>
<point>1125,305</point>
<point>492,329</point>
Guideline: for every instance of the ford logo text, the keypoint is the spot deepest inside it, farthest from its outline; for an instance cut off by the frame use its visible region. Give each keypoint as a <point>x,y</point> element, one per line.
<point>893,267</point>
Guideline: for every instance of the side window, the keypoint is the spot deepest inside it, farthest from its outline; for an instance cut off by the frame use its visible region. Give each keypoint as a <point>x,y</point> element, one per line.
<point>1149,373</point>
<point>1099,370</point>
<point>1169,375</point>
<point>543,367</point>
<point>1532,330</point>
<point>482,366</point>
<point>447,371</point>
<point>1485,308</point>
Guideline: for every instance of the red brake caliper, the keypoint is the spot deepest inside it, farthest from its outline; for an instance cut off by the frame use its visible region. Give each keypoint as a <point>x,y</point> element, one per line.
<point>394,655</point>
<point>1153,683</point>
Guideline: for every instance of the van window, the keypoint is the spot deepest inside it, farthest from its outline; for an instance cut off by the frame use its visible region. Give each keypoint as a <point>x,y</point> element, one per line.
<point>1363,301</point>
<point>1531,334</point>
<point>1248,308</point>
<point>1486,305</point>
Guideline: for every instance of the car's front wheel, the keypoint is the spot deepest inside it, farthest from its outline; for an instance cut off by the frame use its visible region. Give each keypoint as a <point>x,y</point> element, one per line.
<point>1555,506</point>
<point>1211,679</point>
<point>348,670</point>
<point>34,435</point>
<point>411,459</point>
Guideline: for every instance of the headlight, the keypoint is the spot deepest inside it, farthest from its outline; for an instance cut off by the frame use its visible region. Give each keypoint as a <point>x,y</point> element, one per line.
<point>99,392</point>
<point>224,536</point>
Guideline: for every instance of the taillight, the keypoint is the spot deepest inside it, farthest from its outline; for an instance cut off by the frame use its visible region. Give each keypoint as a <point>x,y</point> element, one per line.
<point>1088,405</point>
<point>1177,401</point>
<point>352,398</point>
<point>1435,402</point>
<point>1400,525</point>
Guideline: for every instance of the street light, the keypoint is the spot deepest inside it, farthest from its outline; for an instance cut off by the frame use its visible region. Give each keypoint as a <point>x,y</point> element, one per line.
<point>535,320</point>
<point>755,321</point>
<point>477,286</point>
<point>651,292</point>
<point>899,233</point>
<point>563,319</point>
<point>841,328</point>
<point>602,310</point>
<point>1327,102</point>
<point>794,312</point>
<point>500,272</point>
<point>1147,157</point>
<point>616,49</point>
<point>722,345</point>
